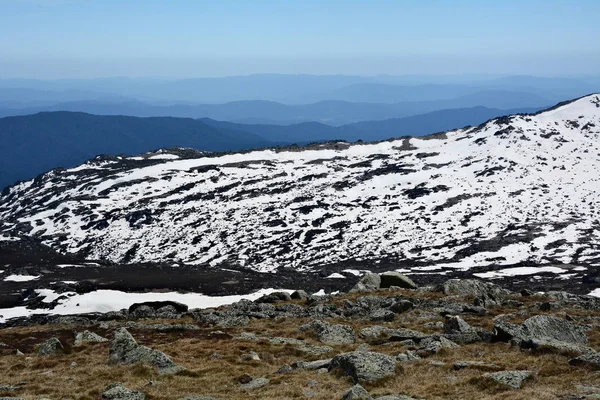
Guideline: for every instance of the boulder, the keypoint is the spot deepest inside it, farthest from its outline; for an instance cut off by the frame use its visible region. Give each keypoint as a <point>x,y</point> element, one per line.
<point>540,327</point>
<point>356,392</point>
<point>143,311</point>
<point>401,306</point>
<point>364,366</point>
<point>116,391</point>
<point>510,379</point>
<point>284,369</point>
<point>88,337</point>
<point>433,344</point>
<point>274,297</point>
<point>50,346</point>
<point>223,319</point>
<point>590,360</point>
<point>299,295</point>
<point>156,305</point>
<point>125,350</point>
<point>488,293</point>
<point>369,282</point>
<point>407,356</point>
<point>459,331</point>
<point>382,315</point>
<point>555,346</point>
<point>330,333</point>
<point>545,326</point>
<point>394,278</point>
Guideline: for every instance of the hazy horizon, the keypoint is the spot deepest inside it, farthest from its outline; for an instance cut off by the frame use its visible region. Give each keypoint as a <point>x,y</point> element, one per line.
<point>66,39</point>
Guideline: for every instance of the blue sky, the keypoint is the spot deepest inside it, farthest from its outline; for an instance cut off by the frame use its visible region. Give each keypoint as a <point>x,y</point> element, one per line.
<point>178,38</point>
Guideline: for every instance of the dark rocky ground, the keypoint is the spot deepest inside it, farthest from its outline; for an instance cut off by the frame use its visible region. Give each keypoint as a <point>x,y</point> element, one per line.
<point>29,257</point>
<point>387,338</point>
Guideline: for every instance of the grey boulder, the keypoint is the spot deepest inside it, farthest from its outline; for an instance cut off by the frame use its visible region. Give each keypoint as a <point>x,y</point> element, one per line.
<point>394,278</point>
<point>50,346</point>
<point>88,337</point>
<point>364,366</point>
<point>125,350</point>
<point>116,391</point>
<point>511,379</point>
<point>330,333</point>
<point>255,384</point>
<point>369,282</point>
<point>357,392</point>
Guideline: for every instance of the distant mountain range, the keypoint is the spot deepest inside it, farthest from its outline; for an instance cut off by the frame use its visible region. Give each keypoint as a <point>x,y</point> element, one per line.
<point>330,112</point>
<point>301,89</point>
<point>33,144</point>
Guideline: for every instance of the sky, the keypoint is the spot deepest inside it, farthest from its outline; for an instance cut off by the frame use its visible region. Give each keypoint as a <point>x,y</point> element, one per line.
<point>197,38</point>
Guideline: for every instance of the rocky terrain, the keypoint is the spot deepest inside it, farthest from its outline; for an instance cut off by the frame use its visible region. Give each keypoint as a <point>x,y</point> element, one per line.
<point>386,338</point>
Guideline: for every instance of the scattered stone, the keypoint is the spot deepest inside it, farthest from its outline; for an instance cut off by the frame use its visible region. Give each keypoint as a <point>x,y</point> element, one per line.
<point>51,346</point>
<point>394,278</point>
<point>125,350</point>
<point>245,378</point>
<point>511,379</point>
<point>357,392</point>
<point>311,365</point>
<point>223,319</point>
<point>284,369</point>
<point>255,384</point>
<point>251,356</point>
<point>88,337</point>
<point>368,283</point>
<point>70,320</point>
<point>364,366</point>
<point>459,331</point>
<point>407,356</point>
<point>433,344</point>
<point>401,306</point>
<point>314,350</point>
<point>116,391</point>
<point>330,333</point>
<point>382,315</point>
<point>434,325</point>
<point>381,334</point>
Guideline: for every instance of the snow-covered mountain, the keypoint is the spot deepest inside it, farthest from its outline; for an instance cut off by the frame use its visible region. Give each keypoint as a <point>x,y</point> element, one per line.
<point>513,191</point>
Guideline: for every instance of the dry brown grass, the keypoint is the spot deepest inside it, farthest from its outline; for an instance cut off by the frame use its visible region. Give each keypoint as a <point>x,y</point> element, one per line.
<point>208,376</point>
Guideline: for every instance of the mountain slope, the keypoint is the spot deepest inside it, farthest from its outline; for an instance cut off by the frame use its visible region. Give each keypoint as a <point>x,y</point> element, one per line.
<point>515,190</point>
<point>35,143</point>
